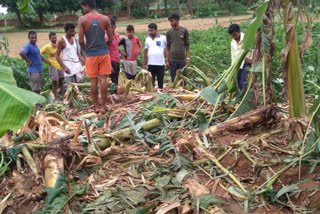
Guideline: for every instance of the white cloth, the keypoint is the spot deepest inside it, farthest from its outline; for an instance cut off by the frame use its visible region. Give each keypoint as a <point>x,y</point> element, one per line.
<point>156,48</point>
<point>70,58</point>
<point>236,48</point>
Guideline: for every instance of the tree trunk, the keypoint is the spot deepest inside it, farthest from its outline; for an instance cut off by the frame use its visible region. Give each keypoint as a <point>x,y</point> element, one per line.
<point>129,7</point>
<point>190,7</point>
<point>268,22</point>
<point>41,19</point>
<point>166,4</point>
<point>19,18</point>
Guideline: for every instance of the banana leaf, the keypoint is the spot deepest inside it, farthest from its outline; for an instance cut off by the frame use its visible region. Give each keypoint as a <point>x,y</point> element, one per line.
<point>16,104</point>
<point>230,76</point>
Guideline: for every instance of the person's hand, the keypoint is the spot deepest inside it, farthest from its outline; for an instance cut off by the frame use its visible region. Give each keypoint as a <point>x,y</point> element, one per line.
<point>112,71</point>
<point>66,70</point>
<point>167,65</point>
<point>145,67</point>
<point>187,62</point>
<point>124,54</point>
<point>247,61</point>
<point>29,62</point>
<point>109,42</point>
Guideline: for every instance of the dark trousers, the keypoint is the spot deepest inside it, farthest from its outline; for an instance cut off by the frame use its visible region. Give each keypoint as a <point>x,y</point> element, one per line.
<point>130,76</point>
<point>157,71</point>
<point>242,77</point>
<point>174,66</point>
<point>115,75</point>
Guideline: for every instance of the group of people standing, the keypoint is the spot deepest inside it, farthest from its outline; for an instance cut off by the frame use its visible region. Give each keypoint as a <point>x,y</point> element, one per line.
<point>100,43</point>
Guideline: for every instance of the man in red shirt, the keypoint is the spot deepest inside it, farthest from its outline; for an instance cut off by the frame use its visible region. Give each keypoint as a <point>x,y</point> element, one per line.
<point>114,53</point>
<point>130,54</point>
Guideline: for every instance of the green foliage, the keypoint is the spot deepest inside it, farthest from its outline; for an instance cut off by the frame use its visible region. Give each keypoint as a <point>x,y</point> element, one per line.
<point>4,163</point>
<point>17,104</point>
<point>139,12</point>
<point>19,68</point>
<point>59,196</point>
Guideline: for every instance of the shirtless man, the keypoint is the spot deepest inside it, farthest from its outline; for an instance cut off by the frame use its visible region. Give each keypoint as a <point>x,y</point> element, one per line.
<point>70,57</point>
<point>93,26</point>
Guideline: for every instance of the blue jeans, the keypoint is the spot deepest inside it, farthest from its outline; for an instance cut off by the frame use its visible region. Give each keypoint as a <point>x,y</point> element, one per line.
<point>242,77</point>
<point>174,66</point>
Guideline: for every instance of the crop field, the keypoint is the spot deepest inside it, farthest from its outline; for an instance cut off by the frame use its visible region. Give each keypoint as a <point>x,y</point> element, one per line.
<point>18,39</point>
<point>197,146</point>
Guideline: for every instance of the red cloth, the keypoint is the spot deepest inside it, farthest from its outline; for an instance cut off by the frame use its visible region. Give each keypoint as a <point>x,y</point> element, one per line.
<point>114,47</point>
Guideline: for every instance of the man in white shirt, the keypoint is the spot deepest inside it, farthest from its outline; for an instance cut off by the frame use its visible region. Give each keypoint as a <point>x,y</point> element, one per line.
<point>154,54</point>
<point>236,47</point>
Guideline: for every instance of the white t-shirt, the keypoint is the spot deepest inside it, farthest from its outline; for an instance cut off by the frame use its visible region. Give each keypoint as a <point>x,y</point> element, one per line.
<point>155,49</point>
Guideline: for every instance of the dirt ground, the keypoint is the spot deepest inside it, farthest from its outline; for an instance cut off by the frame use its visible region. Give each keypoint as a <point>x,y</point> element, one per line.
<point>18,39</point>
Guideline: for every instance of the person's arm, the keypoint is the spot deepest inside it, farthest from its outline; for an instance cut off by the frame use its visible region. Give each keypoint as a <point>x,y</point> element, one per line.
<point>168,49</point>
<point>233,57</point>
<point>61,45</point>
<point>108,30</point>
<point>123,43</point>
<point>145,53</point>
<point>139,45</point>
<point>24,56</point>
<point>81,58</point>
<point>81,29</point>
<point>43,52</point>
<point>186,42</point>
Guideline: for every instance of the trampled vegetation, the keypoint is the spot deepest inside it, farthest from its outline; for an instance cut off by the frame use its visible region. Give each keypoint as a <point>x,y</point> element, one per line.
<point>202,147</point>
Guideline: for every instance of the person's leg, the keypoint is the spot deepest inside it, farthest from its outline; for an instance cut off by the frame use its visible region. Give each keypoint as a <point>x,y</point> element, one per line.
<point>117,71</point>
<point>104,71</point>
<point>181,65</point>
<point>115,74</point>
<point>35,82</point>
<point>134,68</point>
<point>54,76</point>
<point>54,89</point>
<point>173,70</point>
<point>242,78</point>
<point>127,68</point>
<point>103,93</point>
<point>160,76</point>
<point>95,93</point>
<point>92,69</point>
<point>61,87</point>
<point>151,69</point>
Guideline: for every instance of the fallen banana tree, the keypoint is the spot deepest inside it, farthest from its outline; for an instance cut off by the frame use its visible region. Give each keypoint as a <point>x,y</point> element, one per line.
<point>263,116</point>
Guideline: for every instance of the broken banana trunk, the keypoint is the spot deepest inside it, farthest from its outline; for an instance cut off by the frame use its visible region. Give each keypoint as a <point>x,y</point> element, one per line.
<point>263,116</point>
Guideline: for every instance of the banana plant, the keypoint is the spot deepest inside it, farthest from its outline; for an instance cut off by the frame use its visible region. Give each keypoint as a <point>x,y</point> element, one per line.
<point>292,61</point>
<point>16,104</point>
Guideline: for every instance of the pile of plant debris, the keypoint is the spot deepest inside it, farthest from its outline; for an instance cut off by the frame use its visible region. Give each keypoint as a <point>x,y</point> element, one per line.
<point>165,151</point>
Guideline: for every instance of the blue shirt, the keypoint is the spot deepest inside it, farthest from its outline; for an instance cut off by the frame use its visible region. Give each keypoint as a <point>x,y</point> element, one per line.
<point>33,53</point>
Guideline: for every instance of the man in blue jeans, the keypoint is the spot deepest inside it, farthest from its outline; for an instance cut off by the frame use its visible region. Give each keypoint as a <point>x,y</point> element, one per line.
<point>177,46</point>
<point>31,54</point>
<point>236,47</point>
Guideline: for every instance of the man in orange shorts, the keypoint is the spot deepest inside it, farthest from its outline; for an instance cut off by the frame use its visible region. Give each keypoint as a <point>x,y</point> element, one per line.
<point>93,26</point>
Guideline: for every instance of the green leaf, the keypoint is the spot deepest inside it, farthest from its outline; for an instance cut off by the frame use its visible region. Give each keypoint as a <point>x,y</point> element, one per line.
<point>245,105</point>
<point>250,35</point>
<point>14,151</point>
<point>210,95</point>
<point>6,76</point>
<point>16,104</point>
<point>144,210</point>
<point>25,6</point>
<point>287,189</point>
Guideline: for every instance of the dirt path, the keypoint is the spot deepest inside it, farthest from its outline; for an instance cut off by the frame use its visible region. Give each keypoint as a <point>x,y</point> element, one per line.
<point>18,39</point>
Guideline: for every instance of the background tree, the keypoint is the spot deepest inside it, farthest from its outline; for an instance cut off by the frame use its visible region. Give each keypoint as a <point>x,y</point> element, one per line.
<point>13,8</point>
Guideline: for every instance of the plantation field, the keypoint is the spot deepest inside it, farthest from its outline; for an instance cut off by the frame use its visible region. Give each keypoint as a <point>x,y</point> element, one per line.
<point>197,146</point>
<point>18,39</point>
